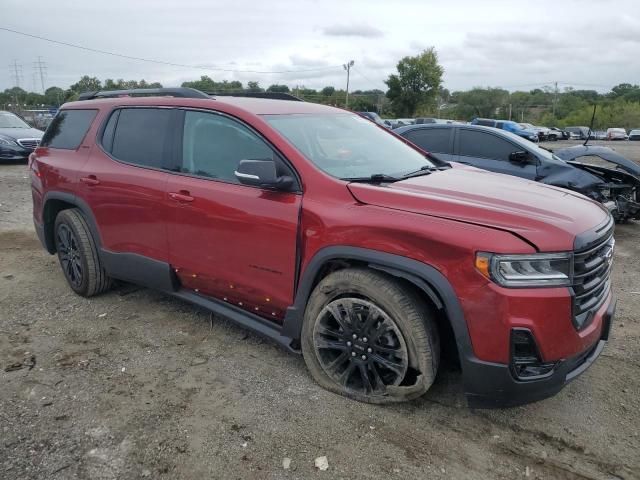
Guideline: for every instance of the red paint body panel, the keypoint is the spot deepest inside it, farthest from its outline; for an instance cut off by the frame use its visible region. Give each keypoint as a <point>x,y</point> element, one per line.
<point>233,235</point>
<point>235,242</point>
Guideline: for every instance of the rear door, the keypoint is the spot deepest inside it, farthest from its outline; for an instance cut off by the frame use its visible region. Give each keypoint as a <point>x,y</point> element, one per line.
<point>491,152</point>
<point>233,242</point>
<point>437,140</point>
<point>124,181</point>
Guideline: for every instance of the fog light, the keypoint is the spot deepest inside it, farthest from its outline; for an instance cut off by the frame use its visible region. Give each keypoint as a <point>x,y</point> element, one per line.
<point>526,363</point>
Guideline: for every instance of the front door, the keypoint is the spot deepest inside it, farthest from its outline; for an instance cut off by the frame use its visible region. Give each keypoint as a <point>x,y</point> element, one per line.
<point>233,242</point>
<point>491,152</point>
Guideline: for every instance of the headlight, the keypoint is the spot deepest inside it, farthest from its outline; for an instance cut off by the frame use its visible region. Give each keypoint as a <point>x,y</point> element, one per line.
<point>6,141</point>
<point>535,270</point>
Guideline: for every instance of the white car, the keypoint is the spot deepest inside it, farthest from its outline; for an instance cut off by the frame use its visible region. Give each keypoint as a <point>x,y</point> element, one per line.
<point>616,134</point>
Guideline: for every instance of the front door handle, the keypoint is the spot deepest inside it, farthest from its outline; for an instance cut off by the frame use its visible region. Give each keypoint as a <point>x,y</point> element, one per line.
<point>181,196</point>
<point>90,180</point>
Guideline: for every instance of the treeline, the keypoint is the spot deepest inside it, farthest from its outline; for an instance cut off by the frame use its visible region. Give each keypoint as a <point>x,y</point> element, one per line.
<point>415,90</point>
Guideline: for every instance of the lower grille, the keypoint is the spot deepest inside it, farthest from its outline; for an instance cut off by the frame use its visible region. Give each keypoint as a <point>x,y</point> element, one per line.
<point>591,279</point>
<point>30,143</point>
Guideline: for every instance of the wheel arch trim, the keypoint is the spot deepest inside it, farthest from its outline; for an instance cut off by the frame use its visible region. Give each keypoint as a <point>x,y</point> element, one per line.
<point>426,277</point>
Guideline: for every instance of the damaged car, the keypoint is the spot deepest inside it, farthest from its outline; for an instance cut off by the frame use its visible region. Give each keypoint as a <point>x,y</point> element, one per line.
<point>598,172</point>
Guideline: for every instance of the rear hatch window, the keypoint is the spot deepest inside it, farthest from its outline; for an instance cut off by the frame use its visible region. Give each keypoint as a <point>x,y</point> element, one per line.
<point>68,128</point>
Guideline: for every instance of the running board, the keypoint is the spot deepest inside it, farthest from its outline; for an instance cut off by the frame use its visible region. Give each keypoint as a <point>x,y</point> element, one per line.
<point>240,317</point>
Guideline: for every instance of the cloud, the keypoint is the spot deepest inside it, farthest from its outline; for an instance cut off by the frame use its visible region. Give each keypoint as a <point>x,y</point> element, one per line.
<point>300,60</point>
<point>353,30</point>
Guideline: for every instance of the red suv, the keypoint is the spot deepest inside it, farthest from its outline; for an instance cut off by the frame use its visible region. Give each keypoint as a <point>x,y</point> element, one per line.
<point>333,237</point>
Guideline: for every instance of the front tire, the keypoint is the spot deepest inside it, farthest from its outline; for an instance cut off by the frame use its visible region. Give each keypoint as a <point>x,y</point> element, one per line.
<point>369,337</point>
<point>78,254</point>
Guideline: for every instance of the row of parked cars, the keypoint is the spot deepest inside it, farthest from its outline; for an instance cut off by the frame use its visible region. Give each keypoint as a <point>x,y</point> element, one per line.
<point>525,130</point>
<point>368,251</point>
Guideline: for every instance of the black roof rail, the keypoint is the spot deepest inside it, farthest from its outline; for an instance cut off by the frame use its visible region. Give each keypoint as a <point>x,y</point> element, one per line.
<point>182,92</point>
<point>269,95</point>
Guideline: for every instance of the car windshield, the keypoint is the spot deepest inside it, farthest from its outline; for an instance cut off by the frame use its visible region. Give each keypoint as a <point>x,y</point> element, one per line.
<point>9,120</point>
<point>347,146</point>
<point>539,151</point>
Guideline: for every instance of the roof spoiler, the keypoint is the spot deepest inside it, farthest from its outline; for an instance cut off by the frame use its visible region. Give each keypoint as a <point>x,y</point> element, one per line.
<point>269,95</point>
<point>181,92</point>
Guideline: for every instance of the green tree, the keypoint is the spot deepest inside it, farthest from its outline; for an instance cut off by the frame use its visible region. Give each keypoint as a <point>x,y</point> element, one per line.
<point>54,96</point>
<point>328,91</point>
<point>207,84</point>
<point>254,87</point>
<point>275,88</point>
<point>86,84</point>
<point>417,82</point>
<point>480,102</point>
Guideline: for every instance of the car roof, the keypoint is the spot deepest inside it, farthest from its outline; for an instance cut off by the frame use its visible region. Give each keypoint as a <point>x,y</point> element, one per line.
<point>256,106</point>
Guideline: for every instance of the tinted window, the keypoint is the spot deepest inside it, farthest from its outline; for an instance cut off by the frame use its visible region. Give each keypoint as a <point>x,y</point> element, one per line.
<point>434,140</point>
<point>213,146</point>
<point>109,131</point>
<point>140,136</point>
<point>484,145</point>
<point>68,128</point>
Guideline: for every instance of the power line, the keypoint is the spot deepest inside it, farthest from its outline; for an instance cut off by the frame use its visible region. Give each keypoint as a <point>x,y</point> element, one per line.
<point>161,62</point>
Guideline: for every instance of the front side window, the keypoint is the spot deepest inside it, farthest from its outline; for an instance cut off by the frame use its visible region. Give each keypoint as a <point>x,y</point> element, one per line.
<point>213,146</point>
<point>68,128</point>
<point>479,144</point>
<point>347,146</point>
<point>140,135</point>
<point>436,140</point>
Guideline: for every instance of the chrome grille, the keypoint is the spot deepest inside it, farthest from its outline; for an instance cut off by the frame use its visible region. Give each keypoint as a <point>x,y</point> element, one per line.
<point>591,278</point>
<point>30,143</point>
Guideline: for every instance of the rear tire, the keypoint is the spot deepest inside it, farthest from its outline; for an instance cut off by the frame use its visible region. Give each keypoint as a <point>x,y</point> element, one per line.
<point>78,254</point>
<point>369,337</point>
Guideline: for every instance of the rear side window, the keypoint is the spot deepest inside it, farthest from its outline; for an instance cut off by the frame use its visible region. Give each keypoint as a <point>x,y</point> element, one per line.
<point>434,140</point>
<point>68,128</point>
<point>484,145</point>
<point>138,135</point>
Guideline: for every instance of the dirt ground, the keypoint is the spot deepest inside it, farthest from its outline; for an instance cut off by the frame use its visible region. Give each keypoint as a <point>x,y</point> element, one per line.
<point>135,384</point>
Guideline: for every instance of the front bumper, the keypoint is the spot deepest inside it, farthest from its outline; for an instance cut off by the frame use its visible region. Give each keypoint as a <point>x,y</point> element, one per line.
<point>14,153</point>
<point>492,385</point>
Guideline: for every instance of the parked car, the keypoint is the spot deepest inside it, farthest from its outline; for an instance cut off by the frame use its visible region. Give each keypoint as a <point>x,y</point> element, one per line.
<point>634,134</point>
<point>618,189</point>
<point>331,237</point>
<point>374,117</point>
<point>578,133</point>
<point>556,133</point>
<point>17,138</point>
<point>616,134</point>
<point>509,126</point>
<point>543,132</point>
<point>598,135</point>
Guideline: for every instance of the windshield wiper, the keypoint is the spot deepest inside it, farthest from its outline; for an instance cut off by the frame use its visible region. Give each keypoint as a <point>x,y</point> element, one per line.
<point>424,170</point>
<point>375,178</point>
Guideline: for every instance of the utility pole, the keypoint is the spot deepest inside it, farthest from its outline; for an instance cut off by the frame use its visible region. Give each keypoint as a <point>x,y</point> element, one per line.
<point>555,98</point>
<point>17,73</point>
<point>42,68</point>
<point>510,105</point>
<point>347,66</point>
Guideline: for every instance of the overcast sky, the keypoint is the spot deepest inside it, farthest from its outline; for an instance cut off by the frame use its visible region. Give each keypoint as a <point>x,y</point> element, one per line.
<point>514,45</point>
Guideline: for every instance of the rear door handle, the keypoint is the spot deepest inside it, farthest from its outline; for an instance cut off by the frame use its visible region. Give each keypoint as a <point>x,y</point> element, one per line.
<point>90,180</point>
<point>181,196</point>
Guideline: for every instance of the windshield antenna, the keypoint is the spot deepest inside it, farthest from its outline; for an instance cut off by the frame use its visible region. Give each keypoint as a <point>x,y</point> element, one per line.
<point>593,117</point>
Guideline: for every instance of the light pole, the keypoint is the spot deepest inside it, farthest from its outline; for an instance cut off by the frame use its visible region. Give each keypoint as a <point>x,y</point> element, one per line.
<point>347,66</point>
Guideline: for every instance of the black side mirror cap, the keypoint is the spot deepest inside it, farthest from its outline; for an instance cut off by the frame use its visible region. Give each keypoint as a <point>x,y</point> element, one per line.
<point>520,156</point>
<point>263,174</point>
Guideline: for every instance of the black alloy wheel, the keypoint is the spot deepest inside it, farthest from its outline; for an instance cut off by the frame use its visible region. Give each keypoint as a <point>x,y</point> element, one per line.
<point>359,346</point>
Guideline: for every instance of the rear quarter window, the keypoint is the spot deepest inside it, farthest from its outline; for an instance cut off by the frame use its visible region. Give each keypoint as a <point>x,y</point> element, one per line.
<point>436,140</point>
<point>68,128</point>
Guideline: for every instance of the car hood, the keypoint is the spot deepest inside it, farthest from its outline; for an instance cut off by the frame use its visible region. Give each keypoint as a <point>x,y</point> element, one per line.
<point>606,153</point>
<point>548,217</point>
<point>16,133</point>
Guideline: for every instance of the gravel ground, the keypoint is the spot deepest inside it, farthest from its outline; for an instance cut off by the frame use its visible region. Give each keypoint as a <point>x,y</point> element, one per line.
<point>135,384</point>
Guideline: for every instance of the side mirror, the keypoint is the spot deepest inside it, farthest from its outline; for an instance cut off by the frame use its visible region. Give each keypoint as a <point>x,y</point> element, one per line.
<point>263,174</point>
<point>520,157</point>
